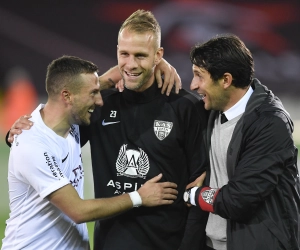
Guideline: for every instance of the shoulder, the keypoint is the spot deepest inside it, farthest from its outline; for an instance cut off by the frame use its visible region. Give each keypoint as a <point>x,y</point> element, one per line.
<point>31,153</point>
<point>188,100</point>
<point>106,93</point>
<point>185,96</point>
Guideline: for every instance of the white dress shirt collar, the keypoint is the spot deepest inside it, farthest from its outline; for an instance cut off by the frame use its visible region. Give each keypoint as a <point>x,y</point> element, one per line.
<point>239,107</point>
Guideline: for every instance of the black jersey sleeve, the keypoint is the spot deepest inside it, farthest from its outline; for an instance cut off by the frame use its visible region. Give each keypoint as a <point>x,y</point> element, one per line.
<point>195,140</point>
<point>85,131</point>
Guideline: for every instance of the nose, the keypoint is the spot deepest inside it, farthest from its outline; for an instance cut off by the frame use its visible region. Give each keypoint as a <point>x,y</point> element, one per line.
<point>194,85</point>
<point>131,62</point>
<point>99,100</point>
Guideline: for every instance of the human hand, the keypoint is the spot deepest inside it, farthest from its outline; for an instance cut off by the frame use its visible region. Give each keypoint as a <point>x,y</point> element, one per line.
<point>171,77</point>
<point>198,182</point>
<point>22,123</point>
<point>154,193</point>
<point>120,85</point>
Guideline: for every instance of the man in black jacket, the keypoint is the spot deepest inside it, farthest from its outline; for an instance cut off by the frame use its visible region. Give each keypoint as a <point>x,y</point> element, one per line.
<point>252,188</point>
<point>140,132</point>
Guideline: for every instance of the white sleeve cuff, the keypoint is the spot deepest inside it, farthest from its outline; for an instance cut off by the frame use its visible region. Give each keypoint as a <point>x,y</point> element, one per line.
<point>135,198</point>
<point>192,195</point>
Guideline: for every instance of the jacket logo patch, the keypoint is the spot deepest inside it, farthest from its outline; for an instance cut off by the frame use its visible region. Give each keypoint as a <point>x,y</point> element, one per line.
<point>162,129</point>
<point>208,195</point>
<point>132,163</point>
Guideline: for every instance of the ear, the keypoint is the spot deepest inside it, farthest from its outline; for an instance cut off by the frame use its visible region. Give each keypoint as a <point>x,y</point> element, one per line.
<point>66,96</point>
<point>158,55</point>
<point>227,78</point>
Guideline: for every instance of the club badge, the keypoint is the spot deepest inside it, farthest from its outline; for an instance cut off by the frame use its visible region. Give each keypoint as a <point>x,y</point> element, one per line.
<point>162,129</point>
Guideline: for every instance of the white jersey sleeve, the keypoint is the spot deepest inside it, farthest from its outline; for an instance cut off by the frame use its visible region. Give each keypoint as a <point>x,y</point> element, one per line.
<point>37,166</point>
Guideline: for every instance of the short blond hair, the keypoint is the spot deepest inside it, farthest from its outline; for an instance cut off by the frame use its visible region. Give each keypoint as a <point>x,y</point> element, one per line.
<point>142,21</point>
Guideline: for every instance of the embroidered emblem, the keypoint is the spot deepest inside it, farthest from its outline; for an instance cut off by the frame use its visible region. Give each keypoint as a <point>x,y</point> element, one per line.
<point>132,163</point>
<point>162,129</point>
<point>208,195</point>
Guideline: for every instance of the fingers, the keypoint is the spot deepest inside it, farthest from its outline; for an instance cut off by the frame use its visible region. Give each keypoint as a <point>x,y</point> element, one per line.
<point>154,193</point>
<point>120,85</point>
<point>178,84</point>
<point>155,179</point>
<point>198,182</point>
<point>170,83</point>
<point>192,184</point>
<point>170,192</point>
<point>168,184</point>
<point>171,78</point>
<point>158,77</point>
<point>167,81</point>
<point>11,134</point>
<point>22,123</point>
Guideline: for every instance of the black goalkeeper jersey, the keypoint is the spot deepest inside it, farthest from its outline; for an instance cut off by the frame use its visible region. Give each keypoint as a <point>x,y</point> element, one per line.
<point>134,137</point>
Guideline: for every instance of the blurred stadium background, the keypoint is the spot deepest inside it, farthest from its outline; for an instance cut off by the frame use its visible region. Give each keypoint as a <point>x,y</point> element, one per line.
<point>33,33</point>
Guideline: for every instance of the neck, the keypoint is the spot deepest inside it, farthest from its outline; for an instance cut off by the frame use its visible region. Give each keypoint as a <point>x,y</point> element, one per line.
<point>236,95</point>
<point>54,117</point>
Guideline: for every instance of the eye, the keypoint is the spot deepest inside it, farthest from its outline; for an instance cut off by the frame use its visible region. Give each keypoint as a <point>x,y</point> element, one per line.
<point>95,92</point>
<point>141,56</point>
<point>123,54</point>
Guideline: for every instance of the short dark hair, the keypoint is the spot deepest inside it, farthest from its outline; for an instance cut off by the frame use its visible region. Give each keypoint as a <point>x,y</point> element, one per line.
<point>65,71</point>
<point>225,53</point>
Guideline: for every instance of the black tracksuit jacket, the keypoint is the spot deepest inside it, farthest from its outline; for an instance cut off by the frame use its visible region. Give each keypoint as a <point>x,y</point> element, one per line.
<point>261,201</point>
<point>134,137</point>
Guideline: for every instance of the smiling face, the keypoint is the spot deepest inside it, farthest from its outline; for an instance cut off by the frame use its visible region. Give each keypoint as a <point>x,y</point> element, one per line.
<point>85,101</point>
<point>137,57</point>
<point>213,92</point>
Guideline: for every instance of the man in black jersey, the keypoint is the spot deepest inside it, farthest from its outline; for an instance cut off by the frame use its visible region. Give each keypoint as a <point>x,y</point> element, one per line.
<point>139,133</point>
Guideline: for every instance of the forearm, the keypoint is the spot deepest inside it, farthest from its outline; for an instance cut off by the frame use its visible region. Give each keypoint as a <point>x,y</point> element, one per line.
<point>97,209</point>
<point>110,78</point>
<point>79,210</point>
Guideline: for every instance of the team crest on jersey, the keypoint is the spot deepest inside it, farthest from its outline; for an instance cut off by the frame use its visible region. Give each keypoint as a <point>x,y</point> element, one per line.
<point>132,163</point>
<point>162,129</point>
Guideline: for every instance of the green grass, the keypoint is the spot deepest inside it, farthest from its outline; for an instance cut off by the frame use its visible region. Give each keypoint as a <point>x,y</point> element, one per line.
<point>4,204</point>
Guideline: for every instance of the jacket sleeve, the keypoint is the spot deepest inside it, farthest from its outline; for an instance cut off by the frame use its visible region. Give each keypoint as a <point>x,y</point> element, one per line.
<point>195,143</point>
<point>84,135</point>
<point>266,151</point>
<point>85,131</point>
<point>195,146</point>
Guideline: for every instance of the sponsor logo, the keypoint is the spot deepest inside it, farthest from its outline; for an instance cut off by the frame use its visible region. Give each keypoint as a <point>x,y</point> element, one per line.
<point>74,133</point>
<point>125,187</point>
<point>108,123</point>
<point>78,175</point>
<point>162,129</point>
<point>53,166</point>
<point>63,160</point>
<point>208,195</point>
<point>132,163</point>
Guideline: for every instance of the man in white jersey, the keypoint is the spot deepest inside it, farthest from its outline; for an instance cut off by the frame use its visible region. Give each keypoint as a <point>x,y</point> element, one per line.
<point>45,168</point>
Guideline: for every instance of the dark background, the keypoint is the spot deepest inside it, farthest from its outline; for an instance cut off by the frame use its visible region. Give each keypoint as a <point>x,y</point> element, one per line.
<point>33,33</point>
